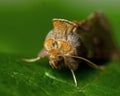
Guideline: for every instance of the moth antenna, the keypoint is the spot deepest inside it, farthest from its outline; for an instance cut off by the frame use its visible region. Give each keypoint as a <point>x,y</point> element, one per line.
<point>31,60</point>
<point>74,77</point>
<point>93,65</point>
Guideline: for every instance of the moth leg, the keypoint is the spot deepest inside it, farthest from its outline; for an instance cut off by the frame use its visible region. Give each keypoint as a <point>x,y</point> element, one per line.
<point>43,53</point>
<point>71,64</point>
<point>93,65</point>
<point>74,77</point>
<point>31,60</point>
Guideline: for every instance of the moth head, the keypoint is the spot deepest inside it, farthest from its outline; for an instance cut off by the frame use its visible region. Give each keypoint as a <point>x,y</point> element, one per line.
<point>55,60</point>
<point>56,50</point>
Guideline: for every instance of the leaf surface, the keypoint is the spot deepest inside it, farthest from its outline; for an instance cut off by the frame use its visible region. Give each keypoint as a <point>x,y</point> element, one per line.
<point>18,78</point>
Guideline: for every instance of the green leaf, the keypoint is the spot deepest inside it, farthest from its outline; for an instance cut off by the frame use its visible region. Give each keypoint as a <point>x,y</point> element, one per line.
<point>18,78</point>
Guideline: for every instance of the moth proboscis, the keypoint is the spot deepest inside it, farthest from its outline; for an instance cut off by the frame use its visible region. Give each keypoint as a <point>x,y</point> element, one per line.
<point>69,43</point>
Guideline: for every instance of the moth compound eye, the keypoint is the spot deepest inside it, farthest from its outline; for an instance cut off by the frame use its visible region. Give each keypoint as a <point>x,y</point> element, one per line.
<point>64,46</point>
<point>49,44</point>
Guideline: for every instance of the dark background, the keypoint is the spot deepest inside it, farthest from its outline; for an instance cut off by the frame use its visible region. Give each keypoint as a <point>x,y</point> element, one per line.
<point>25,23</point>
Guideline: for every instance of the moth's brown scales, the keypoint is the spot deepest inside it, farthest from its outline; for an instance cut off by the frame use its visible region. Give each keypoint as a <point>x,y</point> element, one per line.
<point>63,26</point>
<point>61,46</point>
<point>58,39</point>
<point>65,46</point>
<point>70,28</point>
<point>54,52</point>
<point>49,44</point>
<point>59,26</point>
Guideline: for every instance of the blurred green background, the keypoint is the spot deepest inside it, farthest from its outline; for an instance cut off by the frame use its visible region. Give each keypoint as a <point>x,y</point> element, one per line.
<point>25,23</point>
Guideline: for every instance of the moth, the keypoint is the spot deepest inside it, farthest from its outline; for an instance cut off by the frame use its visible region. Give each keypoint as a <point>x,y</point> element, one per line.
<point>70,43</point>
